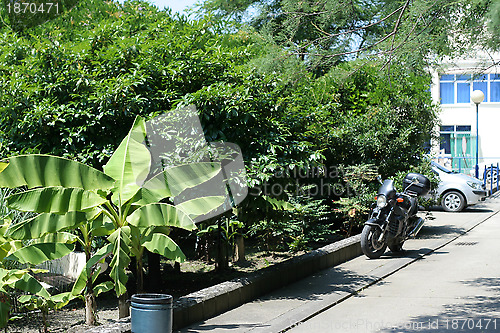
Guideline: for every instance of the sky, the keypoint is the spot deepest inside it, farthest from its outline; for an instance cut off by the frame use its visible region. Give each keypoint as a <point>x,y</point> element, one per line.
<point>176,5</point>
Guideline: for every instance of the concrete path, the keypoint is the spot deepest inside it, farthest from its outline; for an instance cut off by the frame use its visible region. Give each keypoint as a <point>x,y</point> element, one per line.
<point>449,278</point>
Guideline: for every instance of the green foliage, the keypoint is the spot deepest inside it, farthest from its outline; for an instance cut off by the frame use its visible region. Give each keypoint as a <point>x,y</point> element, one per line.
<point>73,86</point>
<point>130,222</point>
<point>326,32</point>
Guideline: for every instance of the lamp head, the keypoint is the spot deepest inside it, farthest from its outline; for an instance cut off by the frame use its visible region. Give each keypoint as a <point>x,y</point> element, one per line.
<point>477,96</point>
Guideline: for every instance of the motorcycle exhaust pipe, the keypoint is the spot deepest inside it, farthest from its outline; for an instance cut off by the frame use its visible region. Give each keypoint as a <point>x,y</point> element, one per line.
<point>416,230</point>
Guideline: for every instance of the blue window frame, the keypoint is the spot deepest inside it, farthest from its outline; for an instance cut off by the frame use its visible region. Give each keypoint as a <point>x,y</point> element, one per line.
<point>494,87</point>
<point>457,88</point>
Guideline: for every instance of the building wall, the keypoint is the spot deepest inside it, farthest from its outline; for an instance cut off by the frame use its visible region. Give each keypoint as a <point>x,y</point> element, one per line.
<point>465,113</point>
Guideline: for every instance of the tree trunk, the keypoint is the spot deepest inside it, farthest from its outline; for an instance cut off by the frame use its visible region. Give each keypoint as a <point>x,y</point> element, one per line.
<point>240,249</point>
<point>221,264</point>
<point>140,275</point>
<point>90,301</point>
<point>123,308</point>
<point>90,308</point>
<point>154,272</point>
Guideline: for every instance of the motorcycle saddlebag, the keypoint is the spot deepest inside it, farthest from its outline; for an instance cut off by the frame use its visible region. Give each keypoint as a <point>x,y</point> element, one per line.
<point>421,188</point>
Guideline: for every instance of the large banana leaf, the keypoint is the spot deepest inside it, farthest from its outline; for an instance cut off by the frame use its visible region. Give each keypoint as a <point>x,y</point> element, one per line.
<point>201,206</point>
<point>160,214</point>
<point>37,253</point>
<point>129,165</point>
<point>48,171</point>
<point>174,180</point>
<point>121,248</point>
<point>163,245</point>
<point>60,237</point>
<point>43,224</point>
<point>58,200</point>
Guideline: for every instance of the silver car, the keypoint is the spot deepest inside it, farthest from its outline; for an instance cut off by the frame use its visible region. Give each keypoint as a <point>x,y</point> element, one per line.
<point>457,190</point>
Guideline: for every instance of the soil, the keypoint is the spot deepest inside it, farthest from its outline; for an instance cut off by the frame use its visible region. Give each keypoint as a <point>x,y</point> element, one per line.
<point>193,276</point>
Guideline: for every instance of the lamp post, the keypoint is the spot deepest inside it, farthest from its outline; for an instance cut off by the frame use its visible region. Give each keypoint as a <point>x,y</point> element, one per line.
<point>477,97</point>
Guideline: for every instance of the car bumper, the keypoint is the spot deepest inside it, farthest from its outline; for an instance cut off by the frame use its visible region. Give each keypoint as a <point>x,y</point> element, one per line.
<point>476,196</point>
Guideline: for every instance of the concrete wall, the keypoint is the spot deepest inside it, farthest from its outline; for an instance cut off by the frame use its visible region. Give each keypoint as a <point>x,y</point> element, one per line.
<point>70,265</point>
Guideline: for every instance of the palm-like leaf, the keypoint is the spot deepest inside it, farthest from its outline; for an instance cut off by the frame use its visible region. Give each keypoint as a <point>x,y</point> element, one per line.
<point>48,171</point>
<point>201,206</point>
<point>43,224</point>
<point>173,181</point>
<point>130,163</point>
<point>37,253</point>
<point>58,200</point>
<point>159,215</point>
<point>163,245</point>
<point>120,239</point>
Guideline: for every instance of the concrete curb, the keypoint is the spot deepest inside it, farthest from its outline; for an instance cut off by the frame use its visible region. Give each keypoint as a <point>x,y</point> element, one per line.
<point>212,301</point>
<point>225,296</point>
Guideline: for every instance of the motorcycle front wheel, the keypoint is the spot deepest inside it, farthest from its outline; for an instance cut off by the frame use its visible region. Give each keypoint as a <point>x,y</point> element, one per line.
<point>370,244</point>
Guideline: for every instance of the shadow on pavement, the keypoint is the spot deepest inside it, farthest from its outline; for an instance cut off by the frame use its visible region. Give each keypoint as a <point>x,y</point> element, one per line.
<point>438,231</point>
<point>327,282</point>
<point>474,314</point>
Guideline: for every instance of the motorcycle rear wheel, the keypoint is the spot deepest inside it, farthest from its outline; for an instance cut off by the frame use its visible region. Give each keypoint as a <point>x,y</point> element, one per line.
<point>370,245</point>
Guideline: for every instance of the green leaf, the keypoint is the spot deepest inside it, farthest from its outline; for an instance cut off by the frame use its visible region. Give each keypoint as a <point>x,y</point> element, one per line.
<point>37,253</point>
<point>103,287</point>
<point>145,196</point>
<point>9,247</point>
<point>58,200</point>
<point>60,237</point>
<point>30,284</point>
<point>163,245</point>
<point>201,206</point>
<point>80,283</point>
<point>160,214</point>
<point>62,299</point>
<point>48,171</point>
<point>129,165</point>
<point>175,180</point>
<point>121,248</point>
<point>3,165</point>
<point>45,223</point>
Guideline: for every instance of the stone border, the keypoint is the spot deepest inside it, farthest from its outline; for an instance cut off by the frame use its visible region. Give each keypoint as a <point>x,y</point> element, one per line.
<point>212,301</point>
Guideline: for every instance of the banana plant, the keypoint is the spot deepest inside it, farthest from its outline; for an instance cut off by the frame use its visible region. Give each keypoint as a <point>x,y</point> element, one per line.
<point>20,279</point>
<point>125,203</point>
<point>51,229</point>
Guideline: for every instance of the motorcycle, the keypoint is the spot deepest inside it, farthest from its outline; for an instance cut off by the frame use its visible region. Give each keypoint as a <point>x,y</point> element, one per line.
<point>394,218</point>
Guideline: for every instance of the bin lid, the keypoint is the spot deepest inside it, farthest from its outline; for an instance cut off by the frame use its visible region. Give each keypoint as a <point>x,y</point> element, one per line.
<point>152,298</point>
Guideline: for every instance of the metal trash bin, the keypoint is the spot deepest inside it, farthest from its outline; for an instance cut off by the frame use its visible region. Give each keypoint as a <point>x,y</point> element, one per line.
<point>151,313</point>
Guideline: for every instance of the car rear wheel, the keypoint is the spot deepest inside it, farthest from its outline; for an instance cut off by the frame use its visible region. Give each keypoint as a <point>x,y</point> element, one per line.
<point>453,201</point>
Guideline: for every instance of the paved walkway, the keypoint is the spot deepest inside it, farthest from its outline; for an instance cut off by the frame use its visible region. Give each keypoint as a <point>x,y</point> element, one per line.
<point>447,280</point>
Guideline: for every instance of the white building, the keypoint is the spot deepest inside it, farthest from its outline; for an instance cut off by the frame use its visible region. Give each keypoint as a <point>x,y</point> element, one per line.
<point>452,86</point>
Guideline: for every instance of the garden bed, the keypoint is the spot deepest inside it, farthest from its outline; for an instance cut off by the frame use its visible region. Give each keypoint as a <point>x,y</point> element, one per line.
<point>194,275</point>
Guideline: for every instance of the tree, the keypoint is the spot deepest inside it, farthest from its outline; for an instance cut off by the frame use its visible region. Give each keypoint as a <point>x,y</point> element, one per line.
<point>121,203</point>
<point>324,33</point>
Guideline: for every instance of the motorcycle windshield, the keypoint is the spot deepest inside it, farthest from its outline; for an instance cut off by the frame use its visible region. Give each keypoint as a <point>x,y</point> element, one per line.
<point>387,189</point>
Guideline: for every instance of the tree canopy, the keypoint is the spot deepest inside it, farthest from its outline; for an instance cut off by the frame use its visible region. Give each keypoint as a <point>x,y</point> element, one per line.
<point>326,32</point>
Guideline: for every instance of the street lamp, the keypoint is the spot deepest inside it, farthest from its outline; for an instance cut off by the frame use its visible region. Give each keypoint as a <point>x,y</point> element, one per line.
<point>477,97</point>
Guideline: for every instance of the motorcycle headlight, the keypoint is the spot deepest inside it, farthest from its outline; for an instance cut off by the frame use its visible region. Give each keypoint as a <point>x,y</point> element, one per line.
<point>381,201</point>
<point>476,186</point>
